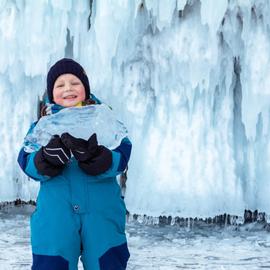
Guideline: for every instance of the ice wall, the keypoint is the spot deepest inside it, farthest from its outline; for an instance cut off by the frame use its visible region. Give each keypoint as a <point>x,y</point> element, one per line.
<point>189,78</point>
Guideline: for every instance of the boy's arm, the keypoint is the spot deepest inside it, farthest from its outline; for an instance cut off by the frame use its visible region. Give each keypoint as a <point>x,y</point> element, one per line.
<point>26,162</point>
<point>47,162</point>
<point>97,160</point>
<point>120,158</point>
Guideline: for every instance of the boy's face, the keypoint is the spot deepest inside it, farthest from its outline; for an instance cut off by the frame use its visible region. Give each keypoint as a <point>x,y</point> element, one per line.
<point>68,90</point>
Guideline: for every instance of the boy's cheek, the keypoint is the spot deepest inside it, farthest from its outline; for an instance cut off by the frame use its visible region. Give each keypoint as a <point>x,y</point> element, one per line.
<point>57,98</point>
<point>59,101</point>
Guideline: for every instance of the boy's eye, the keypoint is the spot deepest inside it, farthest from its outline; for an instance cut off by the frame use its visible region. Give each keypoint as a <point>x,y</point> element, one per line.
<point>59,85</point>
<point>75,83</point>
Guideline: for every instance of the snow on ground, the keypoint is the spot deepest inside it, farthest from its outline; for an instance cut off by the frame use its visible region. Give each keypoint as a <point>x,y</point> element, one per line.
<point>155,247</point>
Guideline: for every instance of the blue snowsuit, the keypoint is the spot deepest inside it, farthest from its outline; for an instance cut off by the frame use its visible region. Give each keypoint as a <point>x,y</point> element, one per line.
<point>79,215</point>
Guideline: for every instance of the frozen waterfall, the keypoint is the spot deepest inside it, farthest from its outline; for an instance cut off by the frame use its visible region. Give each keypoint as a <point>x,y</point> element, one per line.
<point>190,79</point>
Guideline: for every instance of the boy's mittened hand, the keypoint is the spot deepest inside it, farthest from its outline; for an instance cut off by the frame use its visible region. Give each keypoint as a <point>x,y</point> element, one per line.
<point>46,168</point>
<point>98,164</point>
<point>51,159</point>
<point>81,149</point>
<point>55,152</point>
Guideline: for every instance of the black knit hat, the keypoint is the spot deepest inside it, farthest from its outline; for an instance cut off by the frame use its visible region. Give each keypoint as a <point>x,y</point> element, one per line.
<point>64,66</point>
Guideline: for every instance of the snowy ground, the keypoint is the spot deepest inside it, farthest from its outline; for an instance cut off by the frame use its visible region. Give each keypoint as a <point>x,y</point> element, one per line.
<point>153,247</point>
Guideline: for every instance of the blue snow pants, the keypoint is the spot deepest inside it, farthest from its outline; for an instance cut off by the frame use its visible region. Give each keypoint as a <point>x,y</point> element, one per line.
<point>79,215</point>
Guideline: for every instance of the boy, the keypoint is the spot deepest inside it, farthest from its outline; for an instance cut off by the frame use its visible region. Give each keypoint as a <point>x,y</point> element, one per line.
<point>79,210</point>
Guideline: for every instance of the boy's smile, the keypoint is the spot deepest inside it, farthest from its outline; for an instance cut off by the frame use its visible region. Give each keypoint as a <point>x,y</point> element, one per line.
<point>68,90</point>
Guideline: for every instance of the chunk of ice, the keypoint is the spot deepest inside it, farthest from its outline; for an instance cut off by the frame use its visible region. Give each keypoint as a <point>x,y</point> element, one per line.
<point>80,122</point>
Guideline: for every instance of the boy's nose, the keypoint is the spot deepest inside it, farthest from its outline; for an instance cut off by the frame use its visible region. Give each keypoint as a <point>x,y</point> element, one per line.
<point>67,86</point>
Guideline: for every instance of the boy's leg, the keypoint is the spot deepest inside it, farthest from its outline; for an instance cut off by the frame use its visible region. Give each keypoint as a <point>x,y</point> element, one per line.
<point>104,243</point>
<point>103,229</point>
<point>55,237</point>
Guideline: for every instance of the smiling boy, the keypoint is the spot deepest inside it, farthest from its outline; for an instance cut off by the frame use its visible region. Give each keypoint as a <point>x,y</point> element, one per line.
<point>79,211</point>
<point>68,90</point>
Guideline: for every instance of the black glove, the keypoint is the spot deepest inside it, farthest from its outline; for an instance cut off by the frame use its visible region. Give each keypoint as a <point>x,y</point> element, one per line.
<point>100,163</point>
<point>81,149</point>
<point>93,159</point>
<point>51,159</point>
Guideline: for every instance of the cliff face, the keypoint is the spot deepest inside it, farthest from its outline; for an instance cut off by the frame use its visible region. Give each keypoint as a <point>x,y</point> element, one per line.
<point>190,80</point>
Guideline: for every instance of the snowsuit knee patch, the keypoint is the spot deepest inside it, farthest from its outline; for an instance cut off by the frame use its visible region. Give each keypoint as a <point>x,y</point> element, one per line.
<point>45,262</point>
<point>115,258</point>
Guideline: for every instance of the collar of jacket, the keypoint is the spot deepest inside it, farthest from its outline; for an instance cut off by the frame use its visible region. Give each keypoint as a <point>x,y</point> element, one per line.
<point>55,108</point>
